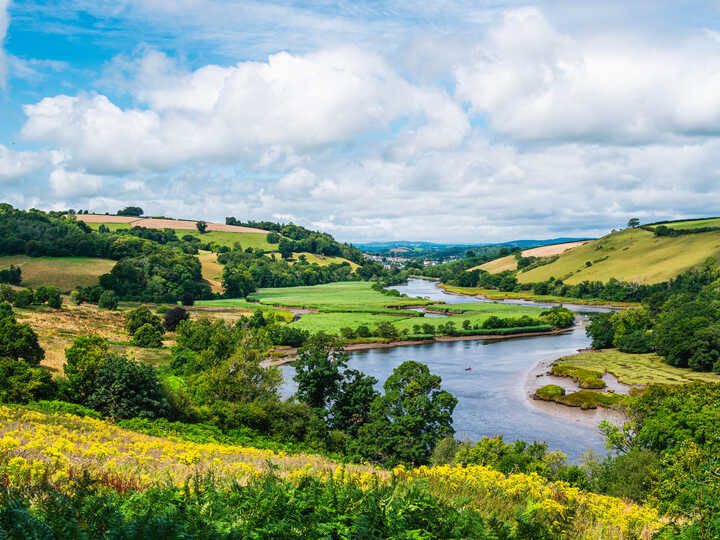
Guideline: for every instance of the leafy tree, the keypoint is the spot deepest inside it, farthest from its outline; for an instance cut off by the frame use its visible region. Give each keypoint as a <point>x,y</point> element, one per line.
<point>286,248</point>
<point>20,382</point>
<point>24,298</point>
<point>83,361</point>
<point>317,370</point>
<point>126,389</point>
<point>351,407</point>
<point>54,300</point>
<point>633,222</point>
<point>134,211</point>
<point>108,300</point>
<point>201,226</point>
<point>237,282</point>
<point>40,295</point>
<point>600,330</point>
<point>187,299</point>
<point>409,419</point>
<point>19,341</point>
<point>558,317</point>
<point>140,316</point>
<point>173,317</point>
<point>12,275</point>
<point>272,238</point>
<point>147,336</point>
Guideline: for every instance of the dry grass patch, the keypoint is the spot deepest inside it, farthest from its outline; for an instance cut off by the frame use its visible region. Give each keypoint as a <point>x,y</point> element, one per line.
<point>553,249</point>
<point>211,270</point>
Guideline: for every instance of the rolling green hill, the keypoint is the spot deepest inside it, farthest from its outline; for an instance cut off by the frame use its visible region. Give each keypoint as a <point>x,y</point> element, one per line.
<point>635,255</point>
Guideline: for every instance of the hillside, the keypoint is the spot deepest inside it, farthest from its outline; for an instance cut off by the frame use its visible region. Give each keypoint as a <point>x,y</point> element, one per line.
<point>65,273</point>
<point>634,255</point>
<point>510,262</point>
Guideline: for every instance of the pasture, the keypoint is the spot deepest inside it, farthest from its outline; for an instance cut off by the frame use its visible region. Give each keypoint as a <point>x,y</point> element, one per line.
<point>630,255</point>
<point>338,295</point>
<point>635,368</point>
<point>65,273</point>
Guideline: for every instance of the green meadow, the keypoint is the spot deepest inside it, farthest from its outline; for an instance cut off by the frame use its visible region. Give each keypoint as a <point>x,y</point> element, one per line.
<point>66,273</point>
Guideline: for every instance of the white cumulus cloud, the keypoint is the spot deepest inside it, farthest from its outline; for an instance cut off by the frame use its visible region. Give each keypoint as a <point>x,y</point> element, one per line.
<point>14,164</point>
<point>532,81</point>
<point>71,184</point>
<point>292,103</point>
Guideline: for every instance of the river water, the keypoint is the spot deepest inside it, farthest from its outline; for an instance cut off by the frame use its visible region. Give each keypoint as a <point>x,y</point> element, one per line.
<point>492,397</point>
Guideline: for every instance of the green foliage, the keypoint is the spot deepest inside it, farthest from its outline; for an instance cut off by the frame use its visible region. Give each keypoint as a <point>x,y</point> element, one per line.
<point>62,407</point>
<point>201,226</point>
<point>550,391</point>
<point>20,382</point>
<point>83,361</point>
<point>140,316</point>
<point>54,300</point>
<point>126,389</point>
<point>134,211</point>
<point>23,298</point>
<point>558,317</point>
<point>147,336</point>
<point>318,370</point>
<point>19,341</point>
<point>108,300</point>
<point>12,275</point>
<point>267,507</point>
<point>409,419</point>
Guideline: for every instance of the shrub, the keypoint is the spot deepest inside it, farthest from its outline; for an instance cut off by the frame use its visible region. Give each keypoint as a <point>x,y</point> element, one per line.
<point>108,300</point>
<point>83,361</point>
<point>141,316</point>
<point>40,295</point>
<point>19,341</point>
<point>126,389</point>
<point>147,336</point>
<point>11,275</point>
<point>54,299</point>
<point>20,382</point>
<point>173,317</point>
<point>62,407</point>
<point>187,299</point>
<point>24,298</point>
<point>76,298</point>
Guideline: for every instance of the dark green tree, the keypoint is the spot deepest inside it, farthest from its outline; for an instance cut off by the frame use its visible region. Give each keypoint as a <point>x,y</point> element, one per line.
<point>318,370</point>
<point>19,341</point>
<point>201,226</point>
<point>409,419</point>
<point>134,211</point>
<point>173,317</point>
<point>147,336</point>
<point>108,300</point>
<point>83,361</point>
<point>633,222</point>
<point>20,382</point>
<point>351,407</point>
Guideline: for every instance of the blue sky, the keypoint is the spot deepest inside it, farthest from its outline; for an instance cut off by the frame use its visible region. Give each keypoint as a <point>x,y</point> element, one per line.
<point>466,121</point>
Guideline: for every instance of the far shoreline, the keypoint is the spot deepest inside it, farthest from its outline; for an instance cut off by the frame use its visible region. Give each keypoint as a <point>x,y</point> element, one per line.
<point>291,354</point>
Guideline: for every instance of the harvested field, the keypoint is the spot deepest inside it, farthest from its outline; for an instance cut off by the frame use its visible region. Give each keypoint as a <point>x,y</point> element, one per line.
<point>554,249</point>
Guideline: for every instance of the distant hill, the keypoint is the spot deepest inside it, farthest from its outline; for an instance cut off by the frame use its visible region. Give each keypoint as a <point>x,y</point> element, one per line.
<point>418,249</point>
<point>635,255</point>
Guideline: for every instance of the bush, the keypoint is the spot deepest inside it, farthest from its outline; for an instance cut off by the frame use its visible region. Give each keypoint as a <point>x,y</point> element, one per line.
<point>83,361</point>
<point>187,299</point>
<point>108,300</point>
<point>173,317</point>
<point>141,316</point>
<point>62,407</point>
<point>24,298</point>
<point>125,389</point>
<point>12,275</point>
<point>147,336</point>
<point>20,382</point>
<point>19,341</point>
<point>54,299</point>
<point>40,295</point>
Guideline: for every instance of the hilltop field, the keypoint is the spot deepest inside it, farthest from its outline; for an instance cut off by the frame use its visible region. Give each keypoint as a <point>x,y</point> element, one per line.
<point>634,255</point>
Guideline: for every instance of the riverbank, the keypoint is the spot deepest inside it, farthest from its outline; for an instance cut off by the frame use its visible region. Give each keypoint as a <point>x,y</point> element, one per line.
<point>499,296</point>
<point>290,355</point>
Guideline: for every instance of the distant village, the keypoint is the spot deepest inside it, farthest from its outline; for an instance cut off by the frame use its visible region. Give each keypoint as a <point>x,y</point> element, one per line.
<point>396,259</point>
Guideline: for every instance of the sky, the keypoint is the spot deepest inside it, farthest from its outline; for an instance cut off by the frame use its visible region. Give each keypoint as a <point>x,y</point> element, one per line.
<point>449,121</point>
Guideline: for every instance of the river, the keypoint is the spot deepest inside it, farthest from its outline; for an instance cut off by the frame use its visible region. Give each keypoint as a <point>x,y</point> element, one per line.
<point>492,397</point>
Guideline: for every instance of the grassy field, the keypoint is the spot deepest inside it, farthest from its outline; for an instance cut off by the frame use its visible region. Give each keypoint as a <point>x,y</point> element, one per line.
<point>331,323</point>
<point>495,308</point>
<point>630,255</point>
<point>66,273</point>
<point>211,270</point>
<point>344,294</point>
<point>635,368</point>
<point>585,399</point>
<point>314,258</point>
<point>694,224</point>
